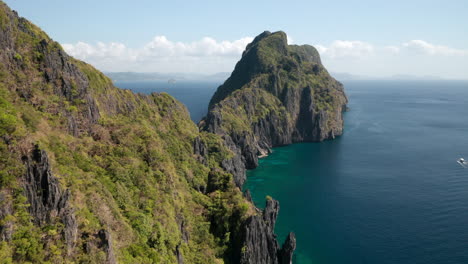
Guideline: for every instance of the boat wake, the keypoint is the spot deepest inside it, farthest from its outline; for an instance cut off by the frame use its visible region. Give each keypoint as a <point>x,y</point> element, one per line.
<point>463,163</point>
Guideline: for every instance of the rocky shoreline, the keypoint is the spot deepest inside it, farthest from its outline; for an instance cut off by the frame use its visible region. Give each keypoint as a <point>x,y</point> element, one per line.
<point>278,94</point>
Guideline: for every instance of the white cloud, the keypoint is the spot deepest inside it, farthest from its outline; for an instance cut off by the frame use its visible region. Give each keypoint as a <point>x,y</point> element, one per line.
<point>84,50</point>
<point>360,49</point>
<point>161,54</point>
<point>161,46</point>
<point>431,49</point>
<point>208,55</point>
<point>346,48</point>
<point>415,57</point>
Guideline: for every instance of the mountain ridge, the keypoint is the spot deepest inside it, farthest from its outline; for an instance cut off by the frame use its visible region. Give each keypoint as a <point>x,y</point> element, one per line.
<point>95,174</point>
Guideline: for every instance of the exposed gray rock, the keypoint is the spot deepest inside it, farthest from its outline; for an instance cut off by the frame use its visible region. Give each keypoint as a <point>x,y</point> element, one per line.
<point>236,164</point>
<point>259,241</point>
<point>307,102</point>
<point>248,195</point>
<point>69,82</point>
<point>180,258</point>
<point>183,229</point>
<point>287,250</point>
<point>200,150</point>
<point>60,73</point>
<point>100,241</point>
<point>278,94</point>
<point>106,245</point>
<point>6,226</point>
<point>48,202</point>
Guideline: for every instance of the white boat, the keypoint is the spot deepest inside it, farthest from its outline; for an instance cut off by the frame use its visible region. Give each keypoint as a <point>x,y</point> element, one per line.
<point>463,162</point>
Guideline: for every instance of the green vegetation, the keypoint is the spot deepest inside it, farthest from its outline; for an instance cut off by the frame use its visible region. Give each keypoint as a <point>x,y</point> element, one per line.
<point>8,120</point>
<point>272,49</point>
<point>18,57</point>
<point>127,160</point>
<point>239,117</point>
<point>271,83</point>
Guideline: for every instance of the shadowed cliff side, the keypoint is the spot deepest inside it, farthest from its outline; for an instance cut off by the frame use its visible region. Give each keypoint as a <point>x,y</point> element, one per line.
<point>278,94</point>
<point>260,244</point>
<point>46,198</point>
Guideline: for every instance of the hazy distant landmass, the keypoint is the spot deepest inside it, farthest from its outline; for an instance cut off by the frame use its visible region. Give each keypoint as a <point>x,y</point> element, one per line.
<point>415,77</point>
<point>158,76</point>
<point>344,76</point>
<point>222,76</point>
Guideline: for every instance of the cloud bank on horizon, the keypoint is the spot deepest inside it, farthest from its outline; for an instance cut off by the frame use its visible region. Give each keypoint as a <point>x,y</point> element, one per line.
<point>207,55</point>
<point>162,55</point>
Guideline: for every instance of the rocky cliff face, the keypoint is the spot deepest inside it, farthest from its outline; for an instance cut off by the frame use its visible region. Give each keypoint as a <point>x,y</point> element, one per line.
<point>48,202</point>
<point>278,94</point>
<point>252,239</point>
<point>59,74</point>
<point>260,244</point>
<point>6,209</point>
<point>90,173</point>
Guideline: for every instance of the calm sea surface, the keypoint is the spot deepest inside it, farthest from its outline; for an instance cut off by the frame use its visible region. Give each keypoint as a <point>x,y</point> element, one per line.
<point>387,191</point>
<point>195,95</point>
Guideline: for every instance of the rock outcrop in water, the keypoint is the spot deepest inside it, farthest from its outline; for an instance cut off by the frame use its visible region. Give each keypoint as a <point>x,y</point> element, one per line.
<point>260,244</point>
<point>252,239</point>
<point>278,94</point>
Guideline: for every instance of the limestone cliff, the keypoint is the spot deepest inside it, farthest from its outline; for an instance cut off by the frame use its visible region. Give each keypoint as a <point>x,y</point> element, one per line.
<point>278,94</point>
<point>259,241</point>
<point>90,173</point>
<point>252,239</point>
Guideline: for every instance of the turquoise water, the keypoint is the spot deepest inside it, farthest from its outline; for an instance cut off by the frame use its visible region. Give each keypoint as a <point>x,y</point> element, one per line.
<point>388,190</point>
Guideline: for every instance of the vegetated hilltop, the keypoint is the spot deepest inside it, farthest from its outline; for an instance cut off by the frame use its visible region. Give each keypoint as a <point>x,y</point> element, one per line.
<point>90,173</point>
<point>278,94</point>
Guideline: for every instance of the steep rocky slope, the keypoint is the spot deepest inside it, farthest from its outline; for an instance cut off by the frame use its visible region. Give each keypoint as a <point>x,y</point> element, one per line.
<point>278,94</point>
<point>90,173</point>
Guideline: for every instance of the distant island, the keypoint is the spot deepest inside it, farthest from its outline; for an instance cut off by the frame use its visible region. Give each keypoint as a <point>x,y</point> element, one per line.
<point>170,77</point>
<point>221,76</point>
<point>343,76</point>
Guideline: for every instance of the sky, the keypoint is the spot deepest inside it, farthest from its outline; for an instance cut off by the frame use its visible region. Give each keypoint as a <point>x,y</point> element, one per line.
<point>368,38</point>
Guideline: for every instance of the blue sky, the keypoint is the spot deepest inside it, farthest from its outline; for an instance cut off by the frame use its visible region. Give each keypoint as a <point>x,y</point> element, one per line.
<point>421,31</point>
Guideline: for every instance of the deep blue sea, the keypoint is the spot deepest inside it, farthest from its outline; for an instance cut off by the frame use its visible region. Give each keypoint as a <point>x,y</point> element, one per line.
<point>194,94</point>
<point>388,191</point>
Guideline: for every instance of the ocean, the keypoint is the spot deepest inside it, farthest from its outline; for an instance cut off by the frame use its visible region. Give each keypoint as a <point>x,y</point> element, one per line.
<point>388,190</point>
<point>195,95</point>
